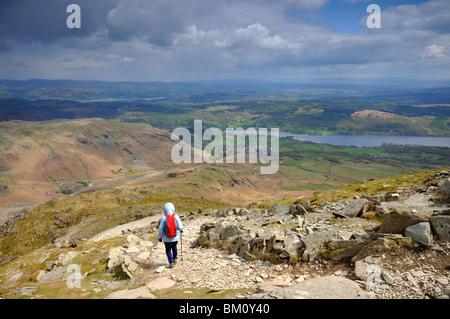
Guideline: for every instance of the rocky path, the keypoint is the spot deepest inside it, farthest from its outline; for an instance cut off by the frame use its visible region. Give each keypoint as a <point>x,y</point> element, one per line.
<point>210,267</point>
<point>215,269</point>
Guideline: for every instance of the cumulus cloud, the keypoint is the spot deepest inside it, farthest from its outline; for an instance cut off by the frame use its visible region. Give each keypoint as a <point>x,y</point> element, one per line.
<point>434,51</point>
<point>187,39</point>
<point>254,36</point>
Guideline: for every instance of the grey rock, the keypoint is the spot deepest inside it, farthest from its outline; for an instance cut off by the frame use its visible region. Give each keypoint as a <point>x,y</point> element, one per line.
<point>387,277</point>
<point>420,233</point>
<point>54,275</point>
<point>314,242</point>
<point>160,283</point>
<point>447,291</point>
<point>298,209</point>
<point>292,245</point>
<point>444,187</point>
<point>441,226</point>
<point>364,268</point>
<point>229,231</point>
<point>27,291</point>
<point>160,269</point>
<point>356,207</point>
<point>376,247</point>
<point>213,236</point>
<point>341,250</point>
<point>279,209</point>
<point>264,233</point>
<point>328,287</point>
<point>257,246</point>
<point>396,222</point>
<point>141,292</point>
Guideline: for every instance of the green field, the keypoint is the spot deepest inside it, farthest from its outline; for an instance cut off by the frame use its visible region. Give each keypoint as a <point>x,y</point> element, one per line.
<point>322,167</point>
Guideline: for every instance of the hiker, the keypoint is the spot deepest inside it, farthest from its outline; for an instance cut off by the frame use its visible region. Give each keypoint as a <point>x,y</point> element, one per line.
<point>169,232</point>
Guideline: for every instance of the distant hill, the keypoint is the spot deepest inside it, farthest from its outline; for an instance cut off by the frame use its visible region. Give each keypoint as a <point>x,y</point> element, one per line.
<point>36,157</point>
<point>42,110</point>
<point>292,107</point>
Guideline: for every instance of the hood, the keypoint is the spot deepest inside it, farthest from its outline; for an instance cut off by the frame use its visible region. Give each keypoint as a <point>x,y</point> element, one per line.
<point>169,209</point>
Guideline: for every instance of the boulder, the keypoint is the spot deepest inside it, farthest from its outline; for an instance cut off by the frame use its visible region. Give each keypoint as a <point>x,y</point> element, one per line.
<point>328,287</point>
<point>141,292</point>
<point>342,250</point>
<point>298,209</point>
<point>257,246</point>
<point>27,291</point>
<point>160,283</point>
<point>201,240</point>
<point>116,257</point>
<point>229,231</point>
<point>396,222</point>
<point>237,244</point>
<point>314,242</point>
<point>444,187</point>
<point>279,209</point>
<point>273,245</point>
<point>206,226</point>
<point>54,275</point>
<point>265,233</point>
<point>365,267</point>
<point>357,207</point>
<point>376,247</point>
<point>243,249</point>
<point>212,235</point>
<point>131,250</point>
<point>420,233</point>
<point>132,240</point>
<point>441,226</point>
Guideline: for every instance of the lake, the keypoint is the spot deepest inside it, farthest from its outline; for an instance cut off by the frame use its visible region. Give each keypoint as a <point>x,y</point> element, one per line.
<point>370,140</point>
<point>123,99</point>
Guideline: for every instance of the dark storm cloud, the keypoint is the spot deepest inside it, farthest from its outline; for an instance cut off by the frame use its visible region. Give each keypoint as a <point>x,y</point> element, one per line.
<point>143,19</point>
<point>27,21</point>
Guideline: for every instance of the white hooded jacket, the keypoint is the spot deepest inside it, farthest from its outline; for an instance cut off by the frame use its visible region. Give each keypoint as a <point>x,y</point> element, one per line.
<point>169,209</point>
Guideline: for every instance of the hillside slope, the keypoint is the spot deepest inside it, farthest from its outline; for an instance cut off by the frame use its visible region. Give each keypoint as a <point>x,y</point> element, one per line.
<point>253,252</point>
<point>36,155</point>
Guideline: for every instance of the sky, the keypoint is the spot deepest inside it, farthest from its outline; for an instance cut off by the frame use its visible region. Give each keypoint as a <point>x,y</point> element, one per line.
<point>202,40</point>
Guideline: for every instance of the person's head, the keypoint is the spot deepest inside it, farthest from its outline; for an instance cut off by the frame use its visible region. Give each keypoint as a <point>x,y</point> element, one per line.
<point>169,209</point>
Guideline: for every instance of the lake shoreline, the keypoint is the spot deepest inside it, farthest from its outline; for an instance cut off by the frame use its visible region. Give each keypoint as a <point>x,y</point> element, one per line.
<point>370,140</point>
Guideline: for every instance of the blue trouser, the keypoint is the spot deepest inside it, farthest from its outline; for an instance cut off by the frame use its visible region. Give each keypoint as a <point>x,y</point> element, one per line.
<point>171,247</point>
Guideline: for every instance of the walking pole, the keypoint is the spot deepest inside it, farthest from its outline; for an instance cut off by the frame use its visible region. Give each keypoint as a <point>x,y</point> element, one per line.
<point>181,246</point>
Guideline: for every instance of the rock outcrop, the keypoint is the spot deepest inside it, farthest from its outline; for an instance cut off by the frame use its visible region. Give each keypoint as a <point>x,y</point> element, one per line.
<point>127,258</point>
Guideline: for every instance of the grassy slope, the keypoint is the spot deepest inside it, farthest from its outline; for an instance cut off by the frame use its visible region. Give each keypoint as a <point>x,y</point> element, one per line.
<point>392,184</point>
<point>89,214</point>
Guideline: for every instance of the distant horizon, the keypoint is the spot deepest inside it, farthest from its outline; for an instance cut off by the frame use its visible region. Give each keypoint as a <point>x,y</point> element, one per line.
<point>398,82</point>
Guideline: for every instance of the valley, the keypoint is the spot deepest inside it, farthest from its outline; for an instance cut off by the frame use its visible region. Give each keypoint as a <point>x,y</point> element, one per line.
<point>85,171</point>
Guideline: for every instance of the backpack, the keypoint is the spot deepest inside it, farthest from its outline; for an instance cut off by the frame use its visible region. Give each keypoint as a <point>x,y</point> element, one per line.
<point>170,227</point>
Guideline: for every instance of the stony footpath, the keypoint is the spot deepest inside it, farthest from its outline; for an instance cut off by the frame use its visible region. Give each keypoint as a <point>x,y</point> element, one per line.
<point>217,269</point>
<point>298,252</point>
<point>386,246</point>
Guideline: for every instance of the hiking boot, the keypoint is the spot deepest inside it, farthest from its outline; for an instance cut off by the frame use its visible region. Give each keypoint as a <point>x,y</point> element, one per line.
<point>175,261</point>
<point>172,265</point>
